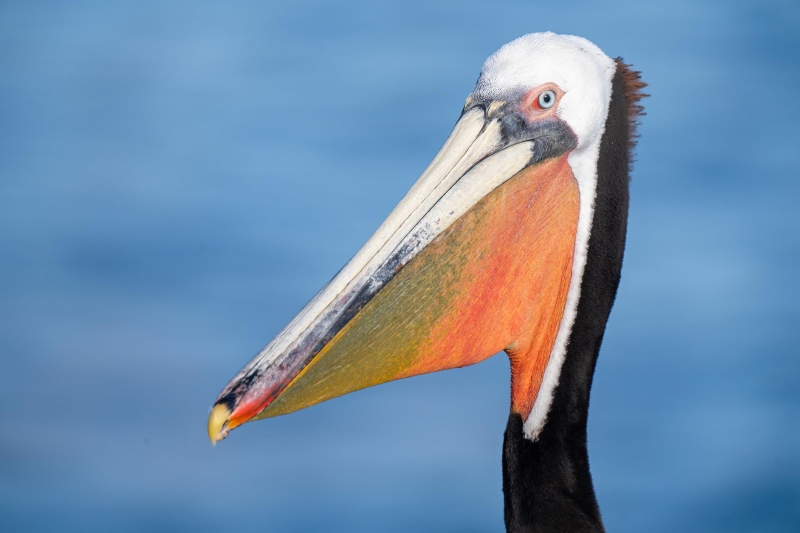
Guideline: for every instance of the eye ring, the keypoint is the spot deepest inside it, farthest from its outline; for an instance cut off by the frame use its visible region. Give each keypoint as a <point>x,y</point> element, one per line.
<point>547,99</point>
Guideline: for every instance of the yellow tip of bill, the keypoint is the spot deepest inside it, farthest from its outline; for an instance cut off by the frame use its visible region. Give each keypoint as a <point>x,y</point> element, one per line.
<point>218,423</point>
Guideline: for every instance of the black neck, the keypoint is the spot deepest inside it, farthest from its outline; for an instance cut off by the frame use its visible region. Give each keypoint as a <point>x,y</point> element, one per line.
<point>547,483</point>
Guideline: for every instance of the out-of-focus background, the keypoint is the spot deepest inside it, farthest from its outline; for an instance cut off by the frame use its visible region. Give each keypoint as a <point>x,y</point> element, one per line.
<point>177,179</point>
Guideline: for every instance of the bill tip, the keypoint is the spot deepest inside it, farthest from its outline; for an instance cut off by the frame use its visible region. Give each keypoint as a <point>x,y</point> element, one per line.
<point>218,423</point>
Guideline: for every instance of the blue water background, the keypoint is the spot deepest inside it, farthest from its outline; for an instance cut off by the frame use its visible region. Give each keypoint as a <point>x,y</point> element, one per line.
<point>177,179</point>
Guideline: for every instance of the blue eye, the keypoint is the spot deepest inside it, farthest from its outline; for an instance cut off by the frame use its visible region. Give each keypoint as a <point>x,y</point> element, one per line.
<point>547,99</point>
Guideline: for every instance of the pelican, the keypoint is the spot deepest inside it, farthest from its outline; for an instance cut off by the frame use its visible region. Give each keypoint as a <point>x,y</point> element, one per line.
<point>511,240</point>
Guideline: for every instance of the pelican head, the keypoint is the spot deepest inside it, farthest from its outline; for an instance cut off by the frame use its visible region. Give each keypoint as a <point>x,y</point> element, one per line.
<point>511,240</point>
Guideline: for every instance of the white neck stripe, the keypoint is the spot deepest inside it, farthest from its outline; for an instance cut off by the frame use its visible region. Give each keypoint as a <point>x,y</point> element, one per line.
<point>583,161</point>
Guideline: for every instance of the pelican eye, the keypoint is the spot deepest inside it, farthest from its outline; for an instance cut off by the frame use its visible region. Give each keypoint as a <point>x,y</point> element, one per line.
<point>547,99</point>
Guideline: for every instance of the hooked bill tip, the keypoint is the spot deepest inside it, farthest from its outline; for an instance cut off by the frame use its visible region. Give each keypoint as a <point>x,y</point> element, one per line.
<point>218,423</point>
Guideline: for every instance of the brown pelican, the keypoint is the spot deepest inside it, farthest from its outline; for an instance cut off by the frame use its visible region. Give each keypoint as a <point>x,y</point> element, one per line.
<point>511,240</point>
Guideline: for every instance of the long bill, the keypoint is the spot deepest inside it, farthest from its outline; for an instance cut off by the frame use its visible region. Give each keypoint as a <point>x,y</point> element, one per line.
<point>476,259</point>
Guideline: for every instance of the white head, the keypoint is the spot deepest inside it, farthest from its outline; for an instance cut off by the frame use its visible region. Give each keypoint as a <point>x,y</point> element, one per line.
<point>577,66</point>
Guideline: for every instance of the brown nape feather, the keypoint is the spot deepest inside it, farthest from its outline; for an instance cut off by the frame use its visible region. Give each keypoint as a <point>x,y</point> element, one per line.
<point>633,83</point>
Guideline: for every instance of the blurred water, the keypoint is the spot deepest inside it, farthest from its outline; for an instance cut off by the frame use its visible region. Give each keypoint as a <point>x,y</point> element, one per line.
<point>177,179</point>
